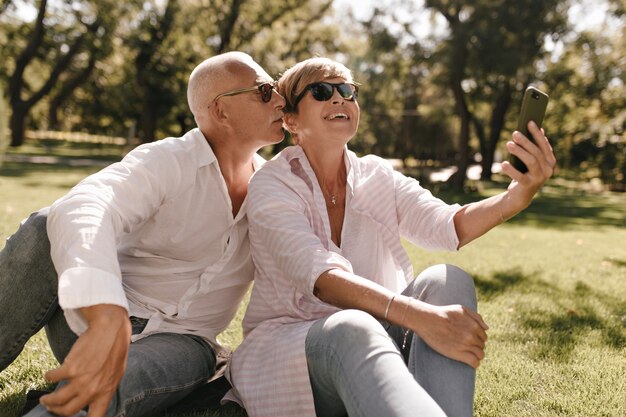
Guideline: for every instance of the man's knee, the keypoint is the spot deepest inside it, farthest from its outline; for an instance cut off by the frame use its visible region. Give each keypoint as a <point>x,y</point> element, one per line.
<point>30,241</point>
<point>35,226</point>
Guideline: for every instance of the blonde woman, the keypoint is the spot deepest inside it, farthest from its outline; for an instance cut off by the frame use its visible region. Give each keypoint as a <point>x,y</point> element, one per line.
<point>332,327</point>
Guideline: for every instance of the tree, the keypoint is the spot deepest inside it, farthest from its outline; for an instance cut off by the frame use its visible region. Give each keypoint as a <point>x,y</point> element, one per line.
<point>490,52</point>
<point>62,46</point>
<point>588,112</point>
<point>153,68</point>
<point>5,5</point>
<point>81,69</point>
<point>170,43</point>
<point>402,112</point>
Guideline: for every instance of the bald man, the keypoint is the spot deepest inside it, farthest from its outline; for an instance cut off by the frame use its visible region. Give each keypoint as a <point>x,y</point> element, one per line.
<point>145,262</point>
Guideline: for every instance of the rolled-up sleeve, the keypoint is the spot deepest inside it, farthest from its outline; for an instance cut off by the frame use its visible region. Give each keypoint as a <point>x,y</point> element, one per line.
<point>285,235</point>
<point>84,228</point>
<point>423,219</point>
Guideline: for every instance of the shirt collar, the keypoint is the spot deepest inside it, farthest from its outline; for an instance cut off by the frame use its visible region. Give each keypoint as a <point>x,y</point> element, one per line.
<point>206,156</point>
<point>296,152</point>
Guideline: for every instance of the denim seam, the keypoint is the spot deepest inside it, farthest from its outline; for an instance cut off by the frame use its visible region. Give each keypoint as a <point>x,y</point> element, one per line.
<point>147,393</point>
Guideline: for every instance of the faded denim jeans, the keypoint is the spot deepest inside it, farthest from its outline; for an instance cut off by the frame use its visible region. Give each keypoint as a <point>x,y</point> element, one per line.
<point>162,368</point>
<point>357,365</point>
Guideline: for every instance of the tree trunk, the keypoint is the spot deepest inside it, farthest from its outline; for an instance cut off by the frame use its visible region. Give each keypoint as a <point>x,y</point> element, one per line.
<point>495,128</point>
<point>17,123</point>
<point>457,66</point>
<point>459,62</point>
<point>458,180</point>
<point>147,75</point>
<point>226,31</point>
<point>182,120</point>
<point>148,120</point>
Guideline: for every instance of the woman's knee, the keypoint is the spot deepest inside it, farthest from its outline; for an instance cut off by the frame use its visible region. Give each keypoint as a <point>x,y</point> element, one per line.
<point>444,284</point>
<point>345,330</point>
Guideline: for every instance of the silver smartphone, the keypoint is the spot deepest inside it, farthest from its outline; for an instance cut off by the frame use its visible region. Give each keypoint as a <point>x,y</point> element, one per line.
<point>534,107</point>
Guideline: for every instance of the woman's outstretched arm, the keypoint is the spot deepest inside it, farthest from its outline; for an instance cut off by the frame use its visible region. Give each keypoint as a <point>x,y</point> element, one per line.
<point>475,219</point>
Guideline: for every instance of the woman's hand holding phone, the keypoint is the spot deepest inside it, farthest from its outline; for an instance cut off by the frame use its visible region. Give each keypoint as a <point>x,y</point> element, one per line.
<point>533,109</point>
<point>532,149</point>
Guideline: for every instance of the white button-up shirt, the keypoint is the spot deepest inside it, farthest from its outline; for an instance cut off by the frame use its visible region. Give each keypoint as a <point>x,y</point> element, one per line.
<point>154,234</point>
<point>291,246</point>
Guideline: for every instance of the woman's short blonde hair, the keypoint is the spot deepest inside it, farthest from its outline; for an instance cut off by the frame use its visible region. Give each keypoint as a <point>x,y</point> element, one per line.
<point>295,79</point>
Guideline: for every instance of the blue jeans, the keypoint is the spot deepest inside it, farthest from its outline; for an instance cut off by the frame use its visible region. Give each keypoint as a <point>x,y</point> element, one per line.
<point>162,368</point>
<point>358,366</point>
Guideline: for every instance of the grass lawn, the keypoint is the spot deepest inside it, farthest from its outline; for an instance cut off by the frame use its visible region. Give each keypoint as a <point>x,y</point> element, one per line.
<point>551,284</point>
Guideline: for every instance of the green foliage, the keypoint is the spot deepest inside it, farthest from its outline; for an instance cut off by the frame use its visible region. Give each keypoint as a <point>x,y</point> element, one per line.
<point>490,55</point>
<point>402,114</point>
<point>416,80</point>
<point>589,106</point>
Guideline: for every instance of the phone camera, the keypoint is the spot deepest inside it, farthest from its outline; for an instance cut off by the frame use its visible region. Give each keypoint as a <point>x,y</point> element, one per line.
<point>535,95</point>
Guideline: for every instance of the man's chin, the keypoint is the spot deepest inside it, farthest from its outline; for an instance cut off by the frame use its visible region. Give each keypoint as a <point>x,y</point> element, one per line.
<point>279,137</point>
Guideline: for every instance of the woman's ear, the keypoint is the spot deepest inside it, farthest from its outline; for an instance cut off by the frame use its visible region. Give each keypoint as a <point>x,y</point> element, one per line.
<point>290,122</point>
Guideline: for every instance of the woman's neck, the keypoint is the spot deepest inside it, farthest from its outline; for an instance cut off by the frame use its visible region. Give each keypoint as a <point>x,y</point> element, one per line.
<point>329,168</point>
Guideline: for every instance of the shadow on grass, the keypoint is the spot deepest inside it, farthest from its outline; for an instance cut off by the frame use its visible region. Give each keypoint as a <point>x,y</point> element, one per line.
<point>12,404</point>
<point>34,175</point>
<point>556,206</point>
<point>501,282</point>
<point>570,319</point>
<point>17,169</point>
<point>616,262</point>
<point>567,210</point>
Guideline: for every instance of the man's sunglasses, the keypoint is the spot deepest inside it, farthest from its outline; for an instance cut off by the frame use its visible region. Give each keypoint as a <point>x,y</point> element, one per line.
<point>265,89</point>
<point>324,91</point>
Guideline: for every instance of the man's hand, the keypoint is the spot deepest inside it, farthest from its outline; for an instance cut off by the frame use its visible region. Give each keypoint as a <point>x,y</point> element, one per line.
<point>94,366</point>
<point>540,160</point>
<point>455,331</point>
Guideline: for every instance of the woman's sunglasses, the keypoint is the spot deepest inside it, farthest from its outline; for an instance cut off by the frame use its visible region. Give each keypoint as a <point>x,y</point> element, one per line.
<point>324,91</point>
<point>265,89</point>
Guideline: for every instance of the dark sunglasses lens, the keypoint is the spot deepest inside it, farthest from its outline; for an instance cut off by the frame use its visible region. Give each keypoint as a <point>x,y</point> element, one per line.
<point>321,91</point>
<point>266,92</point>
<point>347,91</point>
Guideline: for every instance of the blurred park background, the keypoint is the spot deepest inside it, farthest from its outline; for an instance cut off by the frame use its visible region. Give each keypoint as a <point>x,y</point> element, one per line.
<point>442,80</point>
<point>83,81</point>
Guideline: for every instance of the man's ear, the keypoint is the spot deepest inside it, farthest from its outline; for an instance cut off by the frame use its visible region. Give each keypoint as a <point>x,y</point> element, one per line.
<point>217,112</point>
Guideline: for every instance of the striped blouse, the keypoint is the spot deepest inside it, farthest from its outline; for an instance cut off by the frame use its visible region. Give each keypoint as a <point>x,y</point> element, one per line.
<point>291,247</point>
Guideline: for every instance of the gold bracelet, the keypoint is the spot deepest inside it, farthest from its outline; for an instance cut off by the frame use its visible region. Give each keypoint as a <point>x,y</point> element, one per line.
<point>501,215</point>
<point>405,310</point>
<point>406,331</point>
<point>389,305</point>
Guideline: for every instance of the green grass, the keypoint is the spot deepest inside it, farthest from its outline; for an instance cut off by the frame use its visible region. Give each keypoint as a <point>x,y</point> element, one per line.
<point>551,284</point>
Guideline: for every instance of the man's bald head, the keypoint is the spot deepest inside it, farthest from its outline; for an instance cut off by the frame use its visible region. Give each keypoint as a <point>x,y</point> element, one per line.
<point>215,75</point>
